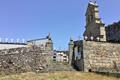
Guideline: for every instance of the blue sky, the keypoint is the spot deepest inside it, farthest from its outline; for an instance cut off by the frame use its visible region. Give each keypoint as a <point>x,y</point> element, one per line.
<point>31,19</point>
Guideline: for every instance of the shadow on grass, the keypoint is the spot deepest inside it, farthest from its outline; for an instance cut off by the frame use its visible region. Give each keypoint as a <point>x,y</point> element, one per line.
<point>117,75</point>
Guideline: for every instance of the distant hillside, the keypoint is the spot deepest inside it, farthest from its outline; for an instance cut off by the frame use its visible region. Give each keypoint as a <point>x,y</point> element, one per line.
<point>62,75</point>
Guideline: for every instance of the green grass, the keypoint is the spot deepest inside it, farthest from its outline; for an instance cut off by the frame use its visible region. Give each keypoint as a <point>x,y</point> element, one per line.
<point>61,75</point>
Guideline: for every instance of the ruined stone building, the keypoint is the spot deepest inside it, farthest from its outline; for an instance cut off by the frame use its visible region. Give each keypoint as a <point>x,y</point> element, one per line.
<point>35,55</point>
<point>45,43</point>
<point>96,52</point>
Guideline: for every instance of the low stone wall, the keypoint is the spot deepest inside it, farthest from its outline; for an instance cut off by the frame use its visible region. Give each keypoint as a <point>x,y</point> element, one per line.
<point>19,60</point>
<point>101,56</point>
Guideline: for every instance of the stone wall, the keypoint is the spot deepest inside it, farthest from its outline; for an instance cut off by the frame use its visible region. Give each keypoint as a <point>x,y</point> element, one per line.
<point>19,60</point>
<point>101,56</point>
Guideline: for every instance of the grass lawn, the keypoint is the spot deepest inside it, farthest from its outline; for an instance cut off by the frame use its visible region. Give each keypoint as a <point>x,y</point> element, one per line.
<point>60,75</point>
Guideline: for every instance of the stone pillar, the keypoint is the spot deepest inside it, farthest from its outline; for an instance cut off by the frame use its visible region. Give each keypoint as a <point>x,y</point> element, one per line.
<point>71,45</point>
<point>49,44</point>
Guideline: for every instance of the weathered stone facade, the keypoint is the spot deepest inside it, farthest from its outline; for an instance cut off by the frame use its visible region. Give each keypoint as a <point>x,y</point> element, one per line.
<point>101,57</point>
<point>19,60</point>
<point>96,52</point>
<point>98,57</point>
<point>94,26</point>
<point>24,59</point>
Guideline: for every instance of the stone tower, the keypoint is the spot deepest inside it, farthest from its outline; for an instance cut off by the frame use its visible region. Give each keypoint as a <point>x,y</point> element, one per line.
<point>49,44</point>
<point>94,26</point>
<point>71,45</point>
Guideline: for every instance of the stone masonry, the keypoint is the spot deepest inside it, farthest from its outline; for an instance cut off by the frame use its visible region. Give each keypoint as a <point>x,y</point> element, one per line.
<point>101,57</point>
<point>94,26</point>
<point>98,57</point>
<point>100,49</point>
<point>27,59</point>
<point>24,59</point>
